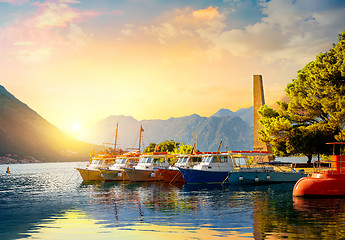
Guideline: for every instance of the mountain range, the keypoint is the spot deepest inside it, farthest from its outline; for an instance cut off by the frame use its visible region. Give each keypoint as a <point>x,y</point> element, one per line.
<point>25,134</point>
<point>235,129</point>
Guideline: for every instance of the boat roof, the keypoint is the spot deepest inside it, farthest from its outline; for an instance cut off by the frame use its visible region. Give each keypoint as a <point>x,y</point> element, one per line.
<point>251,153</point>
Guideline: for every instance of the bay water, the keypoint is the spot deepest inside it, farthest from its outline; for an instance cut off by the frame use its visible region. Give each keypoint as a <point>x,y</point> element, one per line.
<point>50,201</point>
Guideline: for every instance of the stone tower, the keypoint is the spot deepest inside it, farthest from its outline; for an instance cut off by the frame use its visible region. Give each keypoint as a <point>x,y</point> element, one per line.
<point>258,101</point>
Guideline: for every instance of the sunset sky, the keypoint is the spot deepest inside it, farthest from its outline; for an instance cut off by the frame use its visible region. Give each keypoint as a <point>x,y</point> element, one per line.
<point>77,62</point>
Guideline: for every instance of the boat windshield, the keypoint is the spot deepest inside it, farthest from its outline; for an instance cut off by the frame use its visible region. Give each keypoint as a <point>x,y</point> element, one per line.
<point>182,160</point>
<point>121,161</point>
<point>145,160</point>
<point>207,159</point>
<point>96,162</point>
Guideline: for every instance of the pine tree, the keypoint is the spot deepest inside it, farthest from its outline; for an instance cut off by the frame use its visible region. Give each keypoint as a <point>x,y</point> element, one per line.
<point>315,113</point>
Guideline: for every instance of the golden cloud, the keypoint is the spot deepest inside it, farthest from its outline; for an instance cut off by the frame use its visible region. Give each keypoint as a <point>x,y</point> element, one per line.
<point>206,14</point>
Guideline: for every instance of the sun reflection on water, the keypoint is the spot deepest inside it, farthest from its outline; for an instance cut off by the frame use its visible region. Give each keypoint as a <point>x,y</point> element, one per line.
<point>76,224</point>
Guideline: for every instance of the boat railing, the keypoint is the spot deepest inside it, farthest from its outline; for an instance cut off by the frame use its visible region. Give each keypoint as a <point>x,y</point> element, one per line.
<point>82,164</point>
<point>335,165</point>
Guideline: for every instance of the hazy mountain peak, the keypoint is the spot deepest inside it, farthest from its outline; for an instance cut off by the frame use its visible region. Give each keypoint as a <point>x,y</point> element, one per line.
<point>223,113</point>
<point>4,92</point>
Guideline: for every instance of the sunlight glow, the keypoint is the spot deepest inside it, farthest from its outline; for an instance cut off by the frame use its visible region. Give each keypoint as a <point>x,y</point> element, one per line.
<point>75,224</point>
<point>76,128</point>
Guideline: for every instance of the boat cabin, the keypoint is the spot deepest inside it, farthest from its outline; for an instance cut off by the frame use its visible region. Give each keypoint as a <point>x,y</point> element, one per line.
<point>98,162</point>
<point>215,162</point>
<point>152,161</point>
<point>188,160</point>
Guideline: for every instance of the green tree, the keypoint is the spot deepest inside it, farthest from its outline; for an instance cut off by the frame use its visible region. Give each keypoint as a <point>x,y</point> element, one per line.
<point>166,146</point>
<point>170,147</point>
<point>315,113</point>
<point>185,149</point>
<point>150,148</point>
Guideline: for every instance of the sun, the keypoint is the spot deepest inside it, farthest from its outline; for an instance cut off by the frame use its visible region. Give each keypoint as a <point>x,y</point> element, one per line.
<point>76,127</point>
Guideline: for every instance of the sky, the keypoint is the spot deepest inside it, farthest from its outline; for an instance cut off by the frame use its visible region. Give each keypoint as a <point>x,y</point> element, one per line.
<point>77,62</point>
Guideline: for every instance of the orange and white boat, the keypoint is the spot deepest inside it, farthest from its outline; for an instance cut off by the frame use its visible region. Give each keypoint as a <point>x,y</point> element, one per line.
<point>116,172</point>
<point>146,169</point>
<point>324,182</point>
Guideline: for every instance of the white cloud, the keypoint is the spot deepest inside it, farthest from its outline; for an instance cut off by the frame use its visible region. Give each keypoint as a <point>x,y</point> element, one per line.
<point>288,31</point>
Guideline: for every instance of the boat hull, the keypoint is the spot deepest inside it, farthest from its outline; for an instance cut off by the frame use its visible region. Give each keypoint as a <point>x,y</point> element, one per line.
<point>256,177</point>
<point>202,176</point>
<point>171,175</point>
<point>319,184</point>
<point>139,175</point>
<point>90,175</point>
<point>114,175</point>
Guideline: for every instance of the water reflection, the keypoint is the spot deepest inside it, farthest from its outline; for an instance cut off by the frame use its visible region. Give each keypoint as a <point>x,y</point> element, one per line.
<point>263,211</point>
<point>321,218</point>
<point>76,224</point>
<point>47,202</point>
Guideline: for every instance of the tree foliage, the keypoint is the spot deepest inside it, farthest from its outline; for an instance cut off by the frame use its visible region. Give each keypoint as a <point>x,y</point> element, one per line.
<point>315,113</point>
<point>170,147</point>
<point>166,146</point>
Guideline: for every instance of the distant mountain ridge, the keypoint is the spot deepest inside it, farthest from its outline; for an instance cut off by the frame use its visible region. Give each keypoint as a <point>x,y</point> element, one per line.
<point>246,114</point>
<point>25,133</point>
<point>230,127</point>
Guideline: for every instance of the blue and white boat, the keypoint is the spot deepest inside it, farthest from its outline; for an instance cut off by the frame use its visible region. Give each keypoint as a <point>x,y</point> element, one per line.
<point>214,168</point>
<point>263,172</point>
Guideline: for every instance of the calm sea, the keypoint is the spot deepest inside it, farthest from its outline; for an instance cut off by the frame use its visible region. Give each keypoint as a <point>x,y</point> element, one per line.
<point>49,201</point>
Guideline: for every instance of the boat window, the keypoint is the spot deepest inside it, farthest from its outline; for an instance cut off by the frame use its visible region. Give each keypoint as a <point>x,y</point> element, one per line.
<point>196,159</point>
<point>207,159</point>
<point>94,162</point>
<point>149,160</point>
<point>159,159</point>
<point>143,160</point>
<point>180,160</point>
<point>214,159</point>
<point>119,160</point>
<point>223,159</point>
<point>185,160</point>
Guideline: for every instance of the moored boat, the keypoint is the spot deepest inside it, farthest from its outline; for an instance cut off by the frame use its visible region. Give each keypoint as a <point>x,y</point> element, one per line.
<point>146,169</point>
<point>213,168</point>
<point>115,172</point>
<point>261,173</point>
<point>323,182</point>
<point>172,174</point>
<point>91,172</point>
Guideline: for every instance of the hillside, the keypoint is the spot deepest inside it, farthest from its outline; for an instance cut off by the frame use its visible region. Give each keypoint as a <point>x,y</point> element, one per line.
<point>207,132</point>
<point>25,133</point>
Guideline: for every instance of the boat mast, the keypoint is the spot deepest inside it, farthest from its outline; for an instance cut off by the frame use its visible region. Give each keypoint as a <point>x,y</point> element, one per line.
<point>115,144</point>
<point>220,144</point>
<point>140,136</point>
